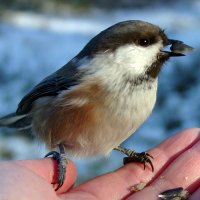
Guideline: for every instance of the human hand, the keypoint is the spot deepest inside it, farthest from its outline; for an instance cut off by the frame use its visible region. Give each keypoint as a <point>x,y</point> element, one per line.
<point>176,162</point>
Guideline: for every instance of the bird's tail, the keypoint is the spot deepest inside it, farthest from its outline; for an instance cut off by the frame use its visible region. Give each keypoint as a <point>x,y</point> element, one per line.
<point>16,121</point>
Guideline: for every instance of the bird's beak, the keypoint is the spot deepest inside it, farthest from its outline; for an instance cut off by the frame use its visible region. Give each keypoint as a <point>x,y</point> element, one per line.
<point>178,48</point>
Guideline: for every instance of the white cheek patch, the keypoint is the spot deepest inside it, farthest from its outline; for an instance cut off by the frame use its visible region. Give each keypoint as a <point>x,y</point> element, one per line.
<point>136,59</point>
<point>128,60</point>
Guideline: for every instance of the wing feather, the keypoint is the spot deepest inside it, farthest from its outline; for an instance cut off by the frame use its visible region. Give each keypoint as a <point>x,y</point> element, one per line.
<point>52,85</point>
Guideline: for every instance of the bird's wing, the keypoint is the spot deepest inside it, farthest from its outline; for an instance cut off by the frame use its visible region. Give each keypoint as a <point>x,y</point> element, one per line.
<point>62,79</point>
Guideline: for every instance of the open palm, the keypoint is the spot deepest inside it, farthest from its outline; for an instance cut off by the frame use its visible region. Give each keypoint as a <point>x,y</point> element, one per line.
<point>176,162</point>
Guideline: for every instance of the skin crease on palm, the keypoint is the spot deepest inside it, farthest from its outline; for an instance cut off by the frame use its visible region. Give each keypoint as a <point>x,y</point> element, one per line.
<point>176,162</point>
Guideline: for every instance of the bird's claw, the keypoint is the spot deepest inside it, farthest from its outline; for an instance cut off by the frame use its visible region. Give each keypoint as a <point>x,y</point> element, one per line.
<point>142,157</point>
<point>62,162</point>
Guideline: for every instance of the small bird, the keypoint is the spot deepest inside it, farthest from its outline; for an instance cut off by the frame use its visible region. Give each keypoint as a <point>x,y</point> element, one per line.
<point>100,97</point>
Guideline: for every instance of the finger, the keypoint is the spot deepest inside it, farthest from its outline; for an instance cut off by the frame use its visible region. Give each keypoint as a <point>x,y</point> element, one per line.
<point>118,184</point>
<point>47,168</point>
<point>184,171</point>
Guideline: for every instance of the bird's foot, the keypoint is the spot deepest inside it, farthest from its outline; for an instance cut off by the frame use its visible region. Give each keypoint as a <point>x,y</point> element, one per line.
<point>174,194</point>
<point>133,156</point>
<point>62,165</point>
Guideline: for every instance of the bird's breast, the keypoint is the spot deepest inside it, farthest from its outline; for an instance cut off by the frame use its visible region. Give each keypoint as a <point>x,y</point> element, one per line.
<point>132,106</point>
<point>90,120</point>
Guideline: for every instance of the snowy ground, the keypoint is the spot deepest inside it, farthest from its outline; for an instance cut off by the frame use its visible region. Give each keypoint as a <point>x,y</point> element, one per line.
<point>34,45</point>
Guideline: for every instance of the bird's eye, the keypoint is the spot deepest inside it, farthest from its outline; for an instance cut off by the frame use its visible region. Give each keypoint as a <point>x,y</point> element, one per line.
<point>144,42</point>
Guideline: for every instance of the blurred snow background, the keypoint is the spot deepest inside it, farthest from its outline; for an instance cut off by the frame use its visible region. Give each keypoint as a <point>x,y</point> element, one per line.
<point>35,41</point>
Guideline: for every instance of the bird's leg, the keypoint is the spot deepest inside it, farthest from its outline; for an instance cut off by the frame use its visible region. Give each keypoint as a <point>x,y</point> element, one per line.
<point>62,164</point>
<point>144,157</point>
<point>133,156</point>
<point>174,194</point>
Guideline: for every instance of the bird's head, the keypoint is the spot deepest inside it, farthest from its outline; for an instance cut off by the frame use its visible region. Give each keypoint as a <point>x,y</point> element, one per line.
<point>134,47</point>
